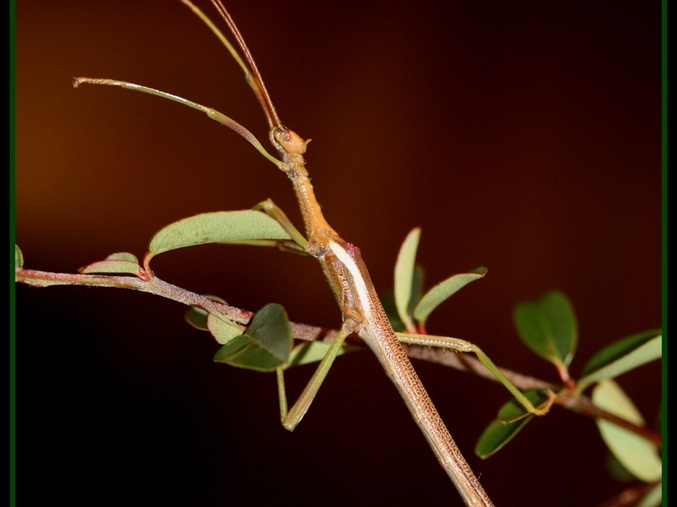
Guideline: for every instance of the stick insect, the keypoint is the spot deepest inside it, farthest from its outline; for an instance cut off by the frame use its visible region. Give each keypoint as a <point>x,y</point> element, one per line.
<point>347,276</point>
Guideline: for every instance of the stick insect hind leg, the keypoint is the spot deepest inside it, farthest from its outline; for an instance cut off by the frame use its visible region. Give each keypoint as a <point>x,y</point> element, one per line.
<point>290,418</point>
<point>463,346</point>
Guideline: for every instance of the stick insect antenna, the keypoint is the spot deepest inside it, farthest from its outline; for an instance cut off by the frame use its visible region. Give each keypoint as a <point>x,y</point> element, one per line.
<point>252,73</point>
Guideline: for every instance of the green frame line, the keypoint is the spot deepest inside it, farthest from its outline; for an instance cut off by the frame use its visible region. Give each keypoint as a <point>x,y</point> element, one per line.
<point>664,260</point>
<point>12,334</point>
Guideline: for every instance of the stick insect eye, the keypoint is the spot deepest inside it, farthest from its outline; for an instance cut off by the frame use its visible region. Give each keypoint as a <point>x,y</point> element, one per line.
<point>290,141</point>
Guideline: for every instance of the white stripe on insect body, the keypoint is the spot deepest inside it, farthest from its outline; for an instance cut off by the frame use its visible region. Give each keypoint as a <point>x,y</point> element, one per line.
<point>361,291</point>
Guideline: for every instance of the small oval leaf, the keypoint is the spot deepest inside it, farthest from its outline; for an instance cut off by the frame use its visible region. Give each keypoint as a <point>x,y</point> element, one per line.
<point>265,345</point>
<point>18,258</point>
<point>499,433</point>
<point>639,456</point>
<point>222,328</point>
<point>116,263</point>
<point>548,327</point>
<point>404,276</point>
<point>217,227</point>
<point>621,356</point>
<point>442,291</point>
<point>197,317</point>
<point>122,256</point>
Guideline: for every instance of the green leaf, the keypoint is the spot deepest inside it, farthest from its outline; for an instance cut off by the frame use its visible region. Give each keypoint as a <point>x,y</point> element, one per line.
<point>404,276</point>
<point>616,469</point>
<point>621,356</point>
<point>499,432</point>
<point>443,290</point>
<point>117,263</point>
<point>217,227</point>
<point>497,435</point>
<point>639,456</point>
<point>197,317</point>
<point>514,409</point>
<point>265,345</point>
<point>654,498</point>
<point>18,258</point>
<point>222,328</point>
<point>548,327</point>
<point>388,300</point>
<point>416,287</point>
<point>310,352</point>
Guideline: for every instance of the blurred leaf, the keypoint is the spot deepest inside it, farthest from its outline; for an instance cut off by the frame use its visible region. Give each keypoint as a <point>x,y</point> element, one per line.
<point>499,433</point>
<point>388,300</point>
<point>18,258</point>
<point>265,345</point>
<point>639,456</point>
<point>217,227</point>
<point>621,356</point>
<point>404,276</point>
<point>118,263</point>
<point>416,287</point>
<point>617,470</point>
<point>548,327</point>
<point>443,290</point>
<point>313,351</point>
<point>653,498</point>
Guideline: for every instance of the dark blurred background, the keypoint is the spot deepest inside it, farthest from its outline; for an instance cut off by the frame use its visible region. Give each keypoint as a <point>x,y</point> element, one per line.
<point>521,136</point>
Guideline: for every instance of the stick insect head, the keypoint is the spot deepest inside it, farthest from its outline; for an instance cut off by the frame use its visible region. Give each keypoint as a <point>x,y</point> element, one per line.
<point>287,141</point>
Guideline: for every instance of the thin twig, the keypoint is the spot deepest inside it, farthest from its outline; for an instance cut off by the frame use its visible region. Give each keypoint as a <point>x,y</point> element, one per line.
<point>463,362</point>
